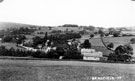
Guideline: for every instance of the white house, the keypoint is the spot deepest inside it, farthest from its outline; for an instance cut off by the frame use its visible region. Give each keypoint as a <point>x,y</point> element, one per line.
<point>91,54</point>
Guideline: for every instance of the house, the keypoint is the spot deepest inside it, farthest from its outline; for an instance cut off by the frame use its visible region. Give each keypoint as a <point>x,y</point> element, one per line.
<point>91,54</point>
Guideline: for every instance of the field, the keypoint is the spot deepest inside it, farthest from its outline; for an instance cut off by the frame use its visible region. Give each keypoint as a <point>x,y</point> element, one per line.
<point>116,40</point>
<point>97,44</point>
<point>38,70</point>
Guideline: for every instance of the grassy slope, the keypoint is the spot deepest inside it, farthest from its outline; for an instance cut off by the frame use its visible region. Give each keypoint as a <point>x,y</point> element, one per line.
<point>63,73</point>
<point>116,40</point>
<point>5,25</point>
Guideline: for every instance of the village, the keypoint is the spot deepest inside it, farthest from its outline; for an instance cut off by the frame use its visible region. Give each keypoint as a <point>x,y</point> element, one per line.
<point>66,53</point>
<point>67,40</point>
<point>70,42</point>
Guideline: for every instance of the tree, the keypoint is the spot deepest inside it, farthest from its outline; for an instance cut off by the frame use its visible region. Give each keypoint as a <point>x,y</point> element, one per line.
<point>91,35</point>
<point>111,30</point>
<point>132,40</point>
<point>50,28</point>
<point>39,28</point>
<point>92,28</point>
<point>20,39</point>
<point>45,37</point>
<point>86,44</point>
<point>116,34</point>
<point>106,34</point>
<point>37,40</point>
<point>102,40</point>
<point>110,45</point>
<point>69,25</point>
<point>7,38</point>
<point>100,31</point>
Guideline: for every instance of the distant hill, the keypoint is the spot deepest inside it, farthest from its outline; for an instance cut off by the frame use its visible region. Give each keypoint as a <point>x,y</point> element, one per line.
<point>132,27</point>
<point>5,25</point>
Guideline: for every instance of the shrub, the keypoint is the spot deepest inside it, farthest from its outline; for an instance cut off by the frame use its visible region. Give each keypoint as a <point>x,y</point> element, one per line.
<point>110,45</point>
<point>116,34</point>
<point>91,35</point>
<point>132,40</point>
<point>95,32</point>
<point>106,34</point>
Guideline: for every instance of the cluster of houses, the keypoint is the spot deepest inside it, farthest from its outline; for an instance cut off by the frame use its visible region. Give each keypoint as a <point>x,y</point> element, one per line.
<point>91,54</point>
<point>88,54</point>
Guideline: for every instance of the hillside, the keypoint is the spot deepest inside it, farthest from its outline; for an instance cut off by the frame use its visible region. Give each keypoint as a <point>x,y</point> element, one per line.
<point>5,25</point>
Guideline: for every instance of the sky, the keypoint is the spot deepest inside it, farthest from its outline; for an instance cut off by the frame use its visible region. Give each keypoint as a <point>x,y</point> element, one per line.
<point>101,13</point>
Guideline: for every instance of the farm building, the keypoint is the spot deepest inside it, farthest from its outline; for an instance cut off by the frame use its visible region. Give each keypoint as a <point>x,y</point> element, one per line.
<point>91,54</point>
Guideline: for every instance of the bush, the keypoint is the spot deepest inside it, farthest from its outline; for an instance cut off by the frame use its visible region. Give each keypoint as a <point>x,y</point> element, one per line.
<point>95,32</point>
<point>116,34</point>
<point>110,45</point>
<point>91,35</point>
<point>106,34</point>
<point>132,40</point>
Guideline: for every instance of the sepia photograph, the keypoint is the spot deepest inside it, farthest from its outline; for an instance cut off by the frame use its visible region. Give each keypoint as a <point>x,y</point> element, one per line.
<point>67,40</point>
